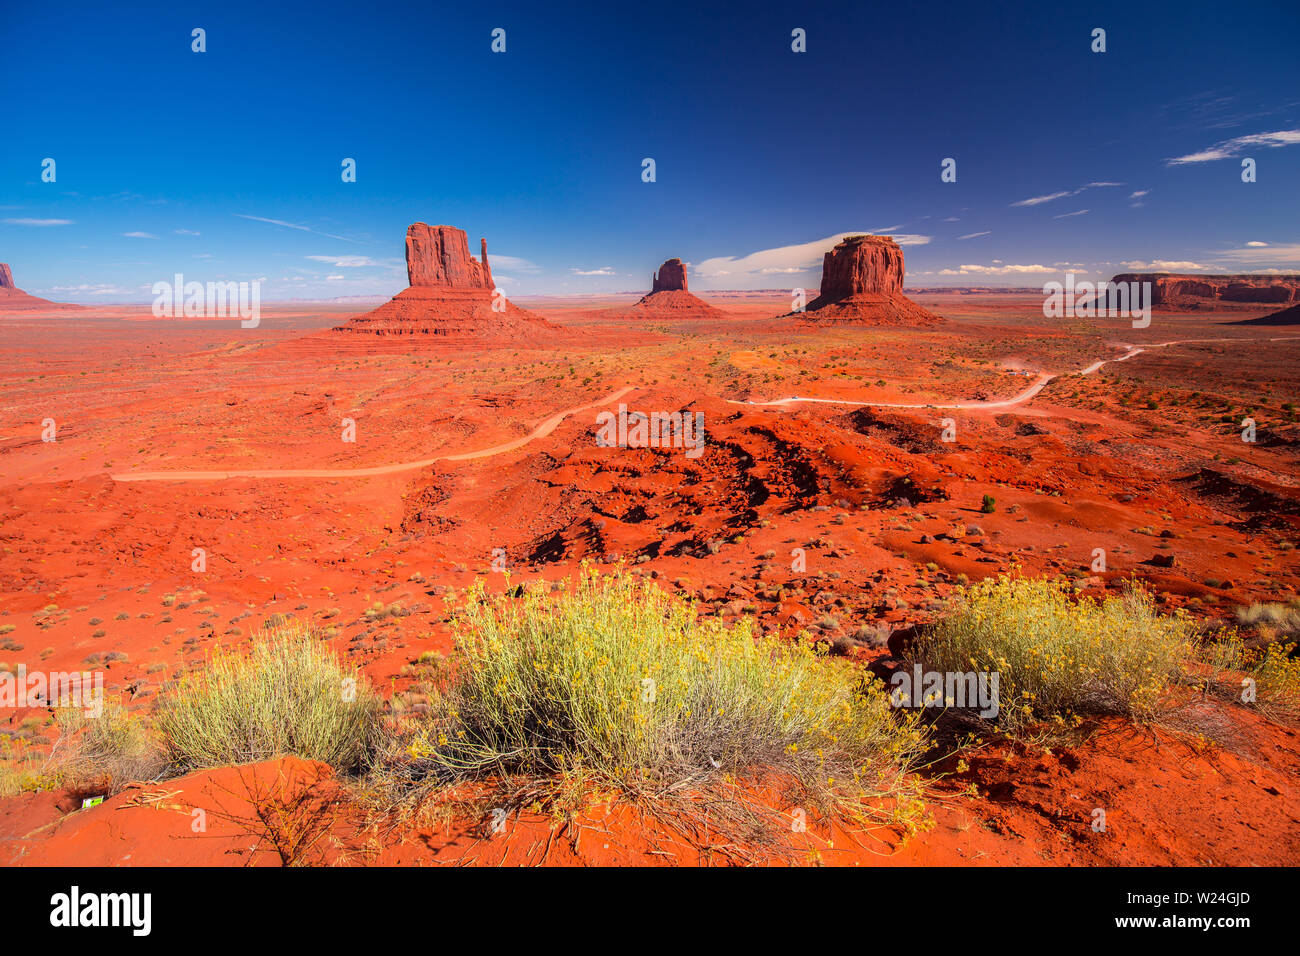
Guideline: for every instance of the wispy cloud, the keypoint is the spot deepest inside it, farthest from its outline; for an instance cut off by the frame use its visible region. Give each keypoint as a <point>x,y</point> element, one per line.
<point>745,271</point>
<point>1039,200</point>
<point>38,222</point>
<point>345,262</point>
<point>976,235</point>
<point>293,225</point>
<point>139,235</point>
<point>513,263</point>
<point>1164,265</point>
<point>1052,197</point>
<point>1077,212</point>
<point>1237,145</point>
<point>603,271</point>
<point>185,232</point>
<point>1264,254</point>
<point>996,269</point>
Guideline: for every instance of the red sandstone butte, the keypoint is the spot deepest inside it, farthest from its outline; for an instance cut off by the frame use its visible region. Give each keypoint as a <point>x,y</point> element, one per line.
<point>862,281</point>
<point>451,294</point>
<point>1186,292</point>
<point>14,299</point>
<point>670,277</point>
<point>670,299</point>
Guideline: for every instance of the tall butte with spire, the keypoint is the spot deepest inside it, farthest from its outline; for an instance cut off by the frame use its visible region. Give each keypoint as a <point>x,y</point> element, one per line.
<point>451,294</point>
<point>670,299</point>
<point>862,283</point>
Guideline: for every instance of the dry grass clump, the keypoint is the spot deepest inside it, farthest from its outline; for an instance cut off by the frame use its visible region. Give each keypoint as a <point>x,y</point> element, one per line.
<point>289,695</point>
<point>1275,621</point>
<point>617,682</point>
<point>102,753</point>
<point>1058,658</point>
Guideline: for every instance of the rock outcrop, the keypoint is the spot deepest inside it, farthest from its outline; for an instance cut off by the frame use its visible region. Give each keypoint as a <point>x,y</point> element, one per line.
<point>14,299</point>
<point>1190,292</point>
<point>439,256</point>
<point>862,281</point>
<point>670,299</point>
<point>671,277</point>
<point>451,295</point>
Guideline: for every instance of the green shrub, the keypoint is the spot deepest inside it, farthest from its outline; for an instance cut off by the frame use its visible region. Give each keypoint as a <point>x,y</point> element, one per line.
<point>1059,658</point>
<point>288,696</point>
<point>620,681</point>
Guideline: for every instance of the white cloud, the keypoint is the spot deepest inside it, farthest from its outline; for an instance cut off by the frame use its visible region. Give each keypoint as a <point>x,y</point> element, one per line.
<point>345,262</point>
<point>1078,212</point>
<point>1138,193</point>
<point>1164,265</point>
<point>1253,254</point>
<point>39,222</point>
<point>98,289</point>
<point>976,235</point>
<point>290,225</point>
<point>513,263</point>
<point>185,232</point>
<point>750,271</point>
<point>996,270</point>
<point>1051,197</point>
<point>1039,200</point>
<point>603,271</point>
<point>1237,145</point>
<point>139,235</point>
<point>1256,245</point>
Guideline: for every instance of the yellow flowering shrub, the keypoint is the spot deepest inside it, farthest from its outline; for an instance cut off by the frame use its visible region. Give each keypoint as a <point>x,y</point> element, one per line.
<point>1058,658</point>
<point>616,678</point>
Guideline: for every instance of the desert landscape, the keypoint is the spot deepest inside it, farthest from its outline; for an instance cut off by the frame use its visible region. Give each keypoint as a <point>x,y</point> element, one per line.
<point>826,505</point>
<point>716,439</point>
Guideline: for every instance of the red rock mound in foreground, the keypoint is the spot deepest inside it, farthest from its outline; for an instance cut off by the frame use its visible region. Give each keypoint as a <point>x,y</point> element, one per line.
<point>451,294</point>
<point>14,299</point>
<point>670,299</point>
<point>862,282</point>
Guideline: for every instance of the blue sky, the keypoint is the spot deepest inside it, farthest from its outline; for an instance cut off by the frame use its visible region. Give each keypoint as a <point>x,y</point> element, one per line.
<point>226,164</point>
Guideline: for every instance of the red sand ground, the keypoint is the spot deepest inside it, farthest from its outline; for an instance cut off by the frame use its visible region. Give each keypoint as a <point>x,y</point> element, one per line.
<point>1141,457</point>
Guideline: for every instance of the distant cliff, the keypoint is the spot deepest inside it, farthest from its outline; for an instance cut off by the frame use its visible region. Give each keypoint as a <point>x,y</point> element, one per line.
<point>1174,291</point>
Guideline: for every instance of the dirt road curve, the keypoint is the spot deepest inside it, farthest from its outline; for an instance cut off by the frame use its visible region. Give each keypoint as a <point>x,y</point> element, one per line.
<point>548,426</point>
<point>1038,385</point>
<point>541,431</point>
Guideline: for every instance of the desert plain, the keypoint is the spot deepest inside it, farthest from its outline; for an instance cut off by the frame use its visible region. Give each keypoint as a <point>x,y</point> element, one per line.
<point>839,495</point>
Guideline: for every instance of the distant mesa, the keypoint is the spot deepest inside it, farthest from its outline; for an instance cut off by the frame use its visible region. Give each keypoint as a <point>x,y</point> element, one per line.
<point>862,282</point>
<point>14,299</point>
<point>451,294</point>
<point>1191,292</point>
<point>670,299</point>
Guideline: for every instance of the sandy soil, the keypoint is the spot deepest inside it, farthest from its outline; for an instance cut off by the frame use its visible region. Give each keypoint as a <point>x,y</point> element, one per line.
<point>1089,434</point>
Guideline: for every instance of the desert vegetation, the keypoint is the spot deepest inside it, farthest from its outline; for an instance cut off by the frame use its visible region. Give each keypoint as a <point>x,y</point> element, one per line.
<point>610,685</point>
